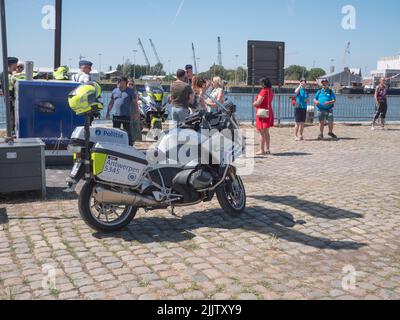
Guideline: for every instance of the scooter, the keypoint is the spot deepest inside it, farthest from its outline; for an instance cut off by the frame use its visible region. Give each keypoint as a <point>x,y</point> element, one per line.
<point>189,165</point>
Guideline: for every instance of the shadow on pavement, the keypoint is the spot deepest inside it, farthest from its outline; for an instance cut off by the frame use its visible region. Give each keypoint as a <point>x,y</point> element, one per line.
<point>53,194</point>
<point>332,140</point>
<point>291,154</point>
<point>312,208</point>
<point>257,219</point>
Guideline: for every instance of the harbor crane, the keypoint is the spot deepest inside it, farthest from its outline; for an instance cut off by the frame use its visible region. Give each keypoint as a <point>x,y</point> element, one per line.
<point>194,59</point>
<point>219,52</point>
<point>145,55</point>
<point>347,53</point>
<point>155,51</point>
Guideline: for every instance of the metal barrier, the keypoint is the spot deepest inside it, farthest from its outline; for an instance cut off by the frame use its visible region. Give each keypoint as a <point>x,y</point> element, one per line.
<point>349,108</point>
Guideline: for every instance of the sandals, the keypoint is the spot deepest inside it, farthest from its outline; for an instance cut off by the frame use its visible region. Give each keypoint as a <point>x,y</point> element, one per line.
<point>263,153</point>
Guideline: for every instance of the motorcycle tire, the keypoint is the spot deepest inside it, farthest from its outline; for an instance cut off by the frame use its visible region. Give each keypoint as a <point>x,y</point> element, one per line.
<point>224,194</point>
<point>85,197</point>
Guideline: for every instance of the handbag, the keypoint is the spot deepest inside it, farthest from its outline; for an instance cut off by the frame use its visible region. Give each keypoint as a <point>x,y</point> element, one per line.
<point>263,113</point>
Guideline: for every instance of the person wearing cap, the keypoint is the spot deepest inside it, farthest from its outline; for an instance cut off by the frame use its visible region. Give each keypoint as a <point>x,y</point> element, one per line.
<point>123,105</point>
<point>325,100</point>
<point>85,68</point>
<point>182,96</point>
<point>300,111</point>
<point>12,65</point>
<point>189,73</point>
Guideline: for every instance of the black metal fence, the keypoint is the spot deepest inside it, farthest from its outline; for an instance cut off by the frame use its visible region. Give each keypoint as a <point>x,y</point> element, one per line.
<point>349,108</point>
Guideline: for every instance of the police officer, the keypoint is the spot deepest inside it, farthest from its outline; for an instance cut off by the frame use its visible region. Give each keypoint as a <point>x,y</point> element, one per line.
<point>84,74</point>
<point>12,65</point>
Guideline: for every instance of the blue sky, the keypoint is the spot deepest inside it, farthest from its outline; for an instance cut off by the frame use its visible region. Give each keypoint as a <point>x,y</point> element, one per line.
<point>311,29</point>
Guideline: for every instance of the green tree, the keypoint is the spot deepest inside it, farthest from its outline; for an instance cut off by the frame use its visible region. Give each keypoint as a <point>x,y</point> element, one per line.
<point>295,72</point>
<point>315,73</point>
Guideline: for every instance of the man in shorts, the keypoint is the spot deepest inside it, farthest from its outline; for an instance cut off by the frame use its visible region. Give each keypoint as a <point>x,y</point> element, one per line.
<point>325,101</point>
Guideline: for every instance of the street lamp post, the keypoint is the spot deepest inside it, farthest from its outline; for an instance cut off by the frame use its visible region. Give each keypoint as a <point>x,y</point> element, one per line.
<point>134,63</point>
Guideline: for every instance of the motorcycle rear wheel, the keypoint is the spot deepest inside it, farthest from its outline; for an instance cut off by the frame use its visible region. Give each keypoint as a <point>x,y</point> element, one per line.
<point>231,195</point>
<point>94,213</point>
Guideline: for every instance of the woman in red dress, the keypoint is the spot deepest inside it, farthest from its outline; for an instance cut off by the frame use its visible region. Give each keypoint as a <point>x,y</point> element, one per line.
<point>265,120</point>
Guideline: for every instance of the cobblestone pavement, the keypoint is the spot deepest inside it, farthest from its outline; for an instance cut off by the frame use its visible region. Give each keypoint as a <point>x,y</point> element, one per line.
<point>322,223</point>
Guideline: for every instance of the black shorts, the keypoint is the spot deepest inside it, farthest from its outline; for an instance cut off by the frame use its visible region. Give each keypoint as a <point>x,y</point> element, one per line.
<point>300,115</point>
<point>382,109</point>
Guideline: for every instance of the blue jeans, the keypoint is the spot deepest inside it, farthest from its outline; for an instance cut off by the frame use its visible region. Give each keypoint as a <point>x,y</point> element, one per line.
<point>179,115</point>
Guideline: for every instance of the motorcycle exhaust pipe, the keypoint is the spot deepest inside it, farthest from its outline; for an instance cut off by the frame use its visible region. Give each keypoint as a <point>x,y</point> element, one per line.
<point>111,197</point>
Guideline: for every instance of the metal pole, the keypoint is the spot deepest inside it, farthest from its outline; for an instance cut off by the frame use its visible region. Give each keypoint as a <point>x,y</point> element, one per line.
<point>57,37</point>
<point>279,106</point>
<point>253,80</point>
<point>5,88</point>
<point>134,64</point>
<point>29,70</point>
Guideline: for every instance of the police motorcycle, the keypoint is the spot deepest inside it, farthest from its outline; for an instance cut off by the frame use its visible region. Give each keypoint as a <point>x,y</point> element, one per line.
<point>189,165</point>
<point>152,106</point>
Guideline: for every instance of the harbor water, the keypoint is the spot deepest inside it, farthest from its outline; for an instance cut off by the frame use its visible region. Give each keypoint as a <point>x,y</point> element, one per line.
<point>349,108</point>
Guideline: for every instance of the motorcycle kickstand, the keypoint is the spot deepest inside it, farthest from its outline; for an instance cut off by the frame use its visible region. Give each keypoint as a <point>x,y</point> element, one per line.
<point>172,212</point>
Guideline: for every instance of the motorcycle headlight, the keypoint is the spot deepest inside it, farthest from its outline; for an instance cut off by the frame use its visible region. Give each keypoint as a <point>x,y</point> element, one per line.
<point>74,149</point>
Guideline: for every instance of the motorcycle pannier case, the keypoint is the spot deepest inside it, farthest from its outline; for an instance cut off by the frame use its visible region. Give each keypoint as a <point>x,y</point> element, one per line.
<point>118,164</point>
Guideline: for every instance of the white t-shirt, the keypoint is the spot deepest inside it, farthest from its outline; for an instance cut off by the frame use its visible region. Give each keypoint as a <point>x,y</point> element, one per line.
<point>214,93</point>
<point>81,77</point>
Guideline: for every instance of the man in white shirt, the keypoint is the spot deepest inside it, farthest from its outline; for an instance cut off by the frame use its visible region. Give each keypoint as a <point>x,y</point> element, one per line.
<point>84,74</point>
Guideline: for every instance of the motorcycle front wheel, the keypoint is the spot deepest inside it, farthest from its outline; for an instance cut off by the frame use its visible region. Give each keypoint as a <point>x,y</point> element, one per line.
<point>103,217</point>
<point>231,195</point>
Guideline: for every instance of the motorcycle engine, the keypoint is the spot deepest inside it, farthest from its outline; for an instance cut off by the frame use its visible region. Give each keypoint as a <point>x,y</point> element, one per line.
<point>200,179</point>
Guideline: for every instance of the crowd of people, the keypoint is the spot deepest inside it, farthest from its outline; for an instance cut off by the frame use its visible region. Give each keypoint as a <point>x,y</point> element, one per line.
<point>187,94</point>
<point>324,101</point>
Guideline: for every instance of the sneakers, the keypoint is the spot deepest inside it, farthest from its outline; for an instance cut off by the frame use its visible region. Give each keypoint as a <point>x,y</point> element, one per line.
<point>373,128</point>
<point>321,137</point>
<point>332,135</point>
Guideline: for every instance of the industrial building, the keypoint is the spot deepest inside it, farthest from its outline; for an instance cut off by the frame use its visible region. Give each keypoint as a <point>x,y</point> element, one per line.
<point>346,78</point>
<point>387,67</point>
